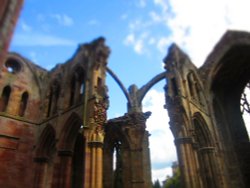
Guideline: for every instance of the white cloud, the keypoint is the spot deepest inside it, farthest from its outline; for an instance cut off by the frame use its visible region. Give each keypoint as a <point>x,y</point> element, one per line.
<point>162,44</point>
<point>124,16</point>
<point>161,141</point>
<point>155,16</point>
<point>38,39</point>
<point>138,46</point>
<point>161,174</point>
<point>137,43</point>
<point>162,3</point>
<point>197,25</point>
<point>93,22</point>
<point>141,3</point>
<point>130,39</point>
<point>63,19</point>
<point>33,56</point>
<point>25,27</point>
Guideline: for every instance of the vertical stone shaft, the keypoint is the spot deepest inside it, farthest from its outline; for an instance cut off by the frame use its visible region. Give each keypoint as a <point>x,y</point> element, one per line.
<point>99,167</point>
<point>93,167</point>
<point>181,144</point>
<point>87,178</point>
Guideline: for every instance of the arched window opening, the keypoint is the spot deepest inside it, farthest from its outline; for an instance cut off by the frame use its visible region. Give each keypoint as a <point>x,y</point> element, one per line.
<point>5,98</point>
<point>206,153</point>
<point>49,102</point>
<point>190,84</point>
<point>80,86</point>
<point>23,103</point>
<point>199,93</point>
<point>200,136</point>
<point>99,82</point>
<point>13,66</point>
<point>56,95</point>
<point>117,165</point>
<point>245,108</point>
<point>82,89</point>
<point>77,87</point>
<point>72,91</point>
<point>44,158</point>
<point>174,86</point>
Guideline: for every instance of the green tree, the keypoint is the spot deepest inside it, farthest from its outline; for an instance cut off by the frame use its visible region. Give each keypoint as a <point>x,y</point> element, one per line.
<point>174,181</point>
<point>156,184</point>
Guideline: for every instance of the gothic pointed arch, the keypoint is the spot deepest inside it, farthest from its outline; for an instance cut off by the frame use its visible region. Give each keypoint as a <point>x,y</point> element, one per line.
<point>228,71</point>
<point>69,132</point>
<point>5,97</point>
<point>206,152</point>
<point>53,96</point>
<point>202,132</point>
<point>23,103</point>
<point>45,150</point>
<point>77,85</point>
<point>71,152</point>
<point>46,143</point>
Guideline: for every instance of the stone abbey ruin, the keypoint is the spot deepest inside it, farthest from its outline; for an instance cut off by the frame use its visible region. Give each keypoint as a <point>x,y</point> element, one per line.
<point>54,132</point>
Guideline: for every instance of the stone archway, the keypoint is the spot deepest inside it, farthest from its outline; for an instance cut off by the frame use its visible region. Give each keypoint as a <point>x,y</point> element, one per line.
<point>70,142</point>
<point>45,152</point>
<point>228,77</point>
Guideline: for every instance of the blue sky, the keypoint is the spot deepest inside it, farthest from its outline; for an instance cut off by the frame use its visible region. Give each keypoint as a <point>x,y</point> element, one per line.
<point>138,33</point>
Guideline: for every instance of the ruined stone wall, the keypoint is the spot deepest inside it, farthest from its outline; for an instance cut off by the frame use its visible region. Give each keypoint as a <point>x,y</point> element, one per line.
<point>49,120</point>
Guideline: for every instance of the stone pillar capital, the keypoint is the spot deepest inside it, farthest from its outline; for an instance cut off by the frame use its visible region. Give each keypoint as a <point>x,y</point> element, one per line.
<point>183,140</point>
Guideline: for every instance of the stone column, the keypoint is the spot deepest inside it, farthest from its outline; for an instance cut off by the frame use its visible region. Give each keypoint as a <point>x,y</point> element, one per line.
<point>135,132</point>
<point>96,149</point>
<point>185,162</point>
<point>87,166</point>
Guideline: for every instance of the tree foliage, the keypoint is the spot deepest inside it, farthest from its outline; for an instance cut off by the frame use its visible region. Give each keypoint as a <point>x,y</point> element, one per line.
<point>174,181</point>
<point>156,184</point>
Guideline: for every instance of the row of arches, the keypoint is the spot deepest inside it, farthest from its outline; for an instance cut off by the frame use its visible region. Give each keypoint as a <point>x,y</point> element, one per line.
<point>197,154</point>
<point>60,163</point>
<point>76,91</point>
<point>195,89</point>
<point>6,97</point>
